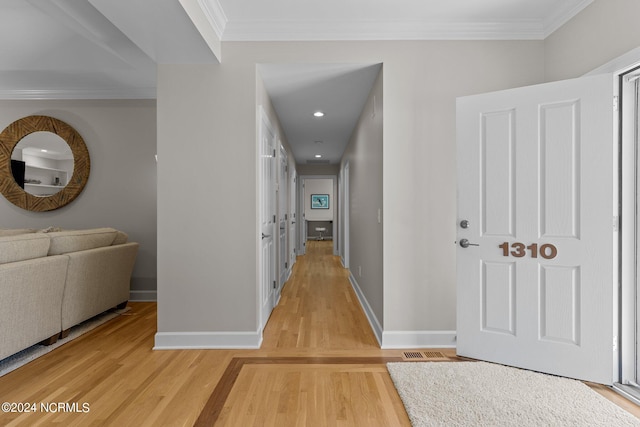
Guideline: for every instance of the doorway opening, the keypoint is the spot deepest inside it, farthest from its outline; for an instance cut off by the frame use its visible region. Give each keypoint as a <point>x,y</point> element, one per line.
<point>310,146</point>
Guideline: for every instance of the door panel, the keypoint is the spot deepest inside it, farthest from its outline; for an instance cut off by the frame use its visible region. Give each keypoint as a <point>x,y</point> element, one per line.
<point>536,185</point>
<point>283,190</point>
<point>292,218</point>
<point>267,176</point>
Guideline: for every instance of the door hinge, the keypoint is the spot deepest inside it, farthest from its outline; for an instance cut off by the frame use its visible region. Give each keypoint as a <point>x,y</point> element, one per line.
<point>274,152</point>
<point>286,265</point>
<point>274,218</point>
<point>615,343</point>
<point>616,223</point>
<point>274,284</point>
<point>615,103</point>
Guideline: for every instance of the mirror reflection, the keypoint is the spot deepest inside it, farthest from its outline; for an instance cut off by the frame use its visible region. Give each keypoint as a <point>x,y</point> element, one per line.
<point>42,163</point>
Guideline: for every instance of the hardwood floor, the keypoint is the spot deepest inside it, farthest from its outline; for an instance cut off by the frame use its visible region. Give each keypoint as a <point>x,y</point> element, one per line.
<point>319,365</point>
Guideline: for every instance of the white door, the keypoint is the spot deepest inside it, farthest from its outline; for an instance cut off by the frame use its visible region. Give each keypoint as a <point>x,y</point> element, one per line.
<point>536,195</point>
<point>283,208</point>
<point>292,218</point>
<point>345,216</point>
<point>267,177</point>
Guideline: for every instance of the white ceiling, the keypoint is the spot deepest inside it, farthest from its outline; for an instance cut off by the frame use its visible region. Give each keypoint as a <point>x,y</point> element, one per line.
<point>299,90</point>
<point>391,19</point>
<point>96,49</point>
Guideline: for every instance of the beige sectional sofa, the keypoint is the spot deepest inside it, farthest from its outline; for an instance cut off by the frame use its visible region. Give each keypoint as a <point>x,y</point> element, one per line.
<point>51,281</point>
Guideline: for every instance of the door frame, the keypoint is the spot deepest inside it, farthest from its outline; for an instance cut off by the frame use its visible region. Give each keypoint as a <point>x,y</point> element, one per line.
<point>282,197</point>
<point>302,221</point>
<point>344,216</point>
<point>629,311</point>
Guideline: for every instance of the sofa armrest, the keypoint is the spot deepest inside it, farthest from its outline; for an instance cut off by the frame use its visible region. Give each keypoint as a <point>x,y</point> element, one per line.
<point>97,280</point>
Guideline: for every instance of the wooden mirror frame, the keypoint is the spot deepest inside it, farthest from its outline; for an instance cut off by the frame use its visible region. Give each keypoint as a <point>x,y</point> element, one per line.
<point>10,137</point>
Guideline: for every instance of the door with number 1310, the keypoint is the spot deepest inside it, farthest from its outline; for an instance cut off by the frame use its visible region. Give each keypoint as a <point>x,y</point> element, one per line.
<point>535,248</point>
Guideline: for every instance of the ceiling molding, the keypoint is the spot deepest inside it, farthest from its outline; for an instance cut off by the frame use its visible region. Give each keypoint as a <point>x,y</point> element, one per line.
<point>335,31</point>
<point>562,16</point>
<point>215,15</point>
<point>119,93</point>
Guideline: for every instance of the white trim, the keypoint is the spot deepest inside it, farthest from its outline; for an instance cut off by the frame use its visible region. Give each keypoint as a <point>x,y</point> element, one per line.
<point>114,93</point>
<point>368,311</point>
<point>563,16</point>
<point>143,296</point>
<point>207,340</point>
<point>618,65</point>
<point>418,339</point>
<point>345,31</point>
<point>215,15</point>
<point>628,255</point>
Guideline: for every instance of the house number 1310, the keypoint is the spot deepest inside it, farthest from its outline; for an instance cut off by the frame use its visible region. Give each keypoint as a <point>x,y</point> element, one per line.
<point>518,250</point>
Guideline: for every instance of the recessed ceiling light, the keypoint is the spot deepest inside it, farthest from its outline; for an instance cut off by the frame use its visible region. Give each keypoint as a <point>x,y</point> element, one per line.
<point>318,156</point>
<point>44,151</point>
<point>318,114</point>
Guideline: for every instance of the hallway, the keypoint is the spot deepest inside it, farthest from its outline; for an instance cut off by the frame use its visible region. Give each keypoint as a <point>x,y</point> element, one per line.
<point>318,309</point>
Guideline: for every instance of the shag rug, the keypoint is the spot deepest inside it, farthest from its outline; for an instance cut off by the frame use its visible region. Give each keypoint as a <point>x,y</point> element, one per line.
<point>486,394</point>
<point>25,356</point>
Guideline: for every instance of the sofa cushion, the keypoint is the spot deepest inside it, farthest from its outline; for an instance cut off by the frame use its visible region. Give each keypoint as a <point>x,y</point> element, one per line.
<point>63,242</point>
<point>15,231</point>
<point>22,247</point>
<point>121,238</point>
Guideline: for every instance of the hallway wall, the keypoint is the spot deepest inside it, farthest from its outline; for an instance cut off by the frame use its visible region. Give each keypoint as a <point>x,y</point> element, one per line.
<point>364,155</point>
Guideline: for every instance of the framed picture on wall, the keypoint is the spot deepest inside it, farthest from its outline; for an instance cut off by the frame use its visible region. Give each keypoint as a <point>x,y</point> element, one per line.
<point>319,201</point>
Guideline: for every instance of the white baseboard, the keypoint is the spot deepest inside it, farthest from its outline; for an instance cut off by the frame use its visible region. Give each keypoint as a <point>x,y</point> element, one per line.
<point>418,339</point>
<point>207,340</point>
<point>368,311</point>
<point>402,339</point>
<point>143,296</point>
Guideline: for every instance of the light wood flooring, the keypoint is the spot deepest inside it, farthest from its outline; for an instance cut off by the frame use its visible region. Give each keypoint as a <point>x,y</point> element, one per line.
<point>319,365</point>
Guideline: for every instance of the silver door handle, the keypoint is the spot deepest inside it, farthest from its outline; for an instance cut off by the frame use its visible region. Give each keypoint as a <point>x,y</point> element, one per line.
<point>264,236</point>
<point>465,243</point>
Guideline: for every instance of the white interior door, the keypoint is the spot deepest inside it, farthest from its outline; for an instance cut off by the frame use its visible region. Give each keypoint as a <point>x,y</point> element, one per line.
<point>292,218</point>
<point>283,208</point>
<point>536,183</point>
<point>267,178</point>
<point>345,216</point>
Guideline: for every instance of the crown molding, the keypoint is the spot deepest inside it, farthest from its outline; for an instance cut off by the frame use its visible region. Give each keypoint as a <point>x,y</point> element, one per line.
<point>336,31</point>
<point>215,15</point>
<point>119,93</point>
<point>562,16</point>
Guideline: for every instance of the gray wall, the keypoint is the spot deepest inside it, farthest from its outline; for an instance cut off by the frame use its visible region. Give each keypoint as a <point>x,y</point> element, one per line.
<point>364,155</point>
<point>600,33</point>
<point>207,276</point>
<point>121,191</point>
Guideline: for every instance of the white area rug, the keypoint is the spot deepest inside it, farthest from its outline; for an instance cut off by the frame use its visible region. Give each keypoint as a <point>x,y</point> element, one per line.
<point>486,394</point>
<point>25,356</point>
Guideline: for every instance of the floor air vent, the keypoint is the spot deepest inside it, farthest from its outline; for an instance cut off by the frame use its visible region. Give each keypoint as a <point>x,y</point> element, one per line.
<point>422,355</point>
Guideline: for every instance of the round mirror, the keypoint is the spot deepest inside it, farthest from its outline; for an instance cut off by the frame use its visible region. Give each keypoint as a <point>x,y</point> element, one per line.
<point>37,180</point>
<point>42,163</point>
